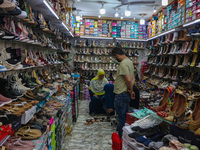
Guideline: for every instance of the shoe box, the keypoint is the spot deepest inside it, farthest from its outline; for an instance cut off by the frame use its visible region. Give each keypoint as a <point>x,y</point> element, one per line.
<point>28,115</point>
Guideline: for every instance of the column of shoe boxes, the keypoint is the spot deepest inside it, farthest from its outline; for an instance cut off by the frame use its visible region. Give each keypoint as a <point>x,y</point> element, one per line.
<point>116,29</point>
<point>180,16</point>
<point>77,28</point>
<point>100,24</point>
<point>87,27</point>
<point>105,29</point>
<point>190,10</point>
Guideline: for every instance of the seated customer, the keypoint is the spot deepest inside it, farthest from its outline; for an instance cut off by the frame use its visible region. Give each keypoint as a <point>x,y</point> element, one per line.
<point>101,93</point>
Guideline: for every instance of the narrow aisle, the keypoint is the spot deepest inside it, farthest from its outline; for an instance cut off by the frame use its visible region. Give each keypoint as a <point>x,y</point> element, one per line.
<point>96,136</point>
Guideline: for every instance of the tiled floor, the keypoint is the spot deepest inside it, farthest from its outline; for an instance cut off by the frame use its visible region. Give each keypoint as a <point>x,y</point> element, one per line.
<point>96,136</point>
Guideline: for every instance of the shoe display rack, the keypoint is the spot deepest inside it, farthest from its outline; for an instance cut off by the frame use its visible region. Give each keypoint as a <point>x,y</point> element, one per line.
<point>92,55</point>
<point>36,105</point>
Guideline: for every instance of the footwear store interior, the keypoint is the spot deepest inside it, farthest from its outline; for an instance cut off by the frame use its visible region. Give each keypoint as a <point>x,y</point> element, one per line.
<point>99,75</point>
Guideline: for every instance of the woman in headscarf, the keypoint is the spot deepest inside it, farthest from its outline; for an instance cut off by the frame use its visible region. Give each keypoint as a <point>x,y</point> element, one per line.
<point>101,93</point>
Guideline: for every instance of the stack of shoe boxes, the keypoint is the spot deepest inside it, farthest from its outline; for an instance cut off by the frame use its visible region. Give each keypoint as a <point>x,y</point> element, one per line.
<point>114,29</point>
<point>100,24</point>
<point>136,30</point>
<point>169,17</point>
<point>87,27</point>
<point>95,28</point>
<point>180,15</point>
<point>140,32</point>
<point>128,29</point>
<point>77,28</point>
<point>109,28</point>
<point>91,30</point>
<point>150,29</point>
<point>133,30</point>
<point>82,30</point>
<point>105,28</point>
<point>191,10</point>
<point>153,31</point>
<point>119,24</point>
<point>123,29</point>
<point>144,29</point>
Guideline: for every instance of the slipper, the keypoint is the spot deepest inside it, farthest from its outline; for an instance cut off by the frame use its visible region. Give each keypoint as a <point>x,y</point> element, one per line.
<point>167,138</point>
<point>27,133</point>
<point>176,144</point>
<point>155,145</point>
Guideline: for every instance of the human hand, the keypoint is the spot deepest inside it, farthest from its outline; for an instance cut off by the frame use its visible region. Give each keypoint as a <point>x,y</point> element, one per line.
<point>132,94</point>
<point>95,95</point>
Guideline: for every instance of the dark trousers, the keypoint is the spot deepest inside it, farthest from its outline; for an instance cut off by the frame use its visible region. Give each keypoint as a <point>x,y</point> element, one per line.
<point>103,102</point>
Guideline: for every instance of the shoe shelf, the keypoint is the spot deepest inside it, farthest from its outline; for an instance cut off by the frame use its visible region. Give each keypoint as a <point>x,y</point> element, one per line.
<point>45,7</point>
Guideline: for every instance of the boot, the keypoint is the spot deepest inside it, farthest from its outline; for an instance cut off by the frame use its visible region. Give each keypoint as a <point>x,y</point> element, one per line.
<point>194,60</point>
<point>163,103</point>
<point>195,119</point>
<point>185,37</point>
<point>181,35</point>
<point>180,110</point>
<point>197,42</point>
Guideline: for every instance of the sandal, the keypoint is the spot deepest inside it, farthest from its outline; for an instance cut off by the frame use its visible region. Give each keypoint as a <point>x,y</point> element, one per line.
<point>27,133</point>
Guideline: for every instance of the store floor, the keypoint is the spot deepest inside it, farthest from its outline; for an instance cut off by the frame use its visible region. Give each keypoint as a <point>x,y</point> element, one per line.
<point>96,136</point>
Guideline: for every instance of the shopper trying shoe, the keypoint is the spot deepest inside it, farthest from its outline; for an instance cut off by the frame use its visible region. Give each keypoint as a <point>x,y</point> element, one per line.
<point>101,94</point>
<point>123,87</point>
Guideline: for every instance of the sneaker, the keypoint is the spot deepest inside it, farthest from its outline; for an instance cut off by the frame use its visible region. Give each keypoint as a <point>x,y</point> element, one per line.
<point>4,100</point>
<point>18,66</point>
<point>3,68</point>
<point>7,65</point>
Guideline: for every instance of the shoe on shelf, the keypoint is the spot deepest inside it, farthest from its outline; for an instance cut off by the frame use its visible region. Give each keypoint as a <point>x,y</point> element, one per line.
<point>7,5</point>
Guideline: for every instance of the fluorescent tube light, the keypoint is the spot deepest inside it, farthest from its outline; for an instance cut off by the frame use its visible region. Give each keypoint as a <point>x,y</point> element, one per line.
<point>50,8</point>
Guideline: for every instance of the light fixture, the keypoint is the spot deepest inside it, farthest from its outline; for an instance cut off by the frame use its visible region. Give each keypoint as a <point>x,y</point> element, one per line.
<point>78,0</point>
<point>164,2</point>
<point>99,16</point>
<point>116,13</point>
<point>127,11</point>
<point>78,17</point>
<point>142,21</point>
<point>191,23</point>
<point>133,18</point>
<point>122,16</point>
<point>102,10</point>
<point>81,17</point>
<point>50,8</point>
<point>154,9</point>
<point>67,29</point>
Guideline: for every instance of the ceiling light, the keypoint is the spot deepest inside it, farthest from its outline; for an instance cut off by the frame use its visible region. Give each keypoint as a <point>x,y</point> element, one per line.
<point>142,21</point>
<point>67,29</point>
<point>50,8</point>
<point>78,0</point>
<point>99,16</point>
<point>122,17</point>
<point>116,14</point>
<point>102,10</point>
<point>127,11</point>
<point>154,10</point>
<point>164,2</point>
<point>133,18</point>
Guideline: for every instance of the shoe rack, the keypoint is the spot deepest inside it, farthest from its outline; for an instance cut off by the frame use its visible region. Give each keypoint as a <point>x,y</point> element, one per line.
<point>34,58</point>
<point>174,57</point>
<point>92,54</point>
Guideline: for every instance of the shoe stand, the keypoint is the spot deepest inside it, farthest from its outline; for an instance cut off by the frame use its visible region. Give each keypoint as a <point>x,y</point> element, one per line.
<point>94,54</point>
<point>35,76</point>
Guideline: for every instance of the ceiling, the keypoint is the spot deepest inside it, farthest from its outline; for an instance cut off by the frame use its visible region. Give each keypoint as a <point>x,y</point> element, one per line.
<point>91,8</point>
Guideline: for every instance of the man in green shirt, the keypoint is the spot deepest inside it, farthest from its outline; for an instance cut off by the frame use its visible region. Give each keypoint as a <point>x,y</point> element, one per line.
<point>123,86</point>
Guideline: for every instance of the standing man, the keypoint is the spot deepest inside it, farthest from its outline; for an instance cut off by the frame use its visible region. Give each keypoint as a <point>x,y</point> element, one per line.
<point>123,86</point>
